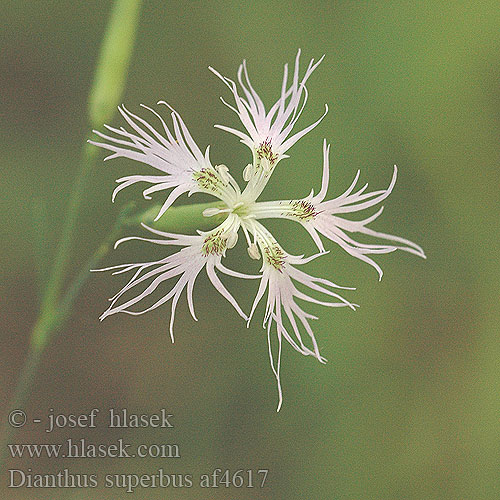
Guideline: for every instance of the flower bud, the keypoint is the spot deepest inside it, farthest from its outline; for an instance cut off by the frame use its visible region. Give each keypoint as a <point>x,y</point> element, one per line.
<point>114,58</point>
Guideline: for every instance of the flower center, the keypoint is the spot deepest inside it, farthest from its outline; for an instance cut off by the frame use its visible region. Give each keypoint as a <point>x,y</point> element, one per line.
<point>209,180</point>
<point>265,152</point>
<point>214,244</point>
<point>302,210</point>
<point>275,257</point>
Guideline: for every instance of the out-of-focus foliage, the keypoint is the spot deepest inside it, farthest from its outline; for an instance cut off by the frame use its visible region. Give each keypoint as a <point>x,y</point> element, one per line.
<point>408,405</point>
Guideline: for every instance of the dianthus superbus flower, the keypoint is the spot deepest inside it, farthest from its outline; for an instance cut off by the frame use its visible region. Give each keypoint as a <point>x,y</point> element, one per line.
<point>325,217</point>
<point>184,169</point>
<point>267,133</point>
<point>202,251</point>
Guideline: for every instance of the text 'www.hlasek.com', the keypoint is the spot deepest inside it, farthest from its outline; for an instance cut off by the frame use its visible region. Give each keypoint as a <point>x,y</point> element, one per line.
<point>64,457</point>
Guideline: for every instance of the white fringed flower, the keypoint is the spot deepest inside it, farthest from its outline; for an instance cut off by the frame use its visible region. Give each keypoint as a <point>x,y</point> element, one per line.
<point>184,169</point>
<point>278,274</point>
<point>268,132</point>
<point>322,217</point>
<point>202,251</point>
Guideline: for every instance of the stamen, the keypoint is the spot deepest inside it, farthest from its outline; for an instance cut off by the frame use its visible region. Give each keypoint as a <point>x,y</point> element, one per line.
<point>223,172</point>
<point>208,179</point>
<point>303,210</point>
<point>253,252</point>
<point>247,172</point>
<point>266,165</point>
<point>275,257</point>
<point>210,212</point>
<point>231,239</point>
<point>214,244</point>
<point>247,236</point>
<point>265,152</point>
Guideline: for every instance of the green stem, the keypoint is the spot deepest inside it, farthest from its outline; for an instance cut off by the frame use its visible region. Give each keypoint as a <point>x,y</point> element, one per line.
<point>48,308</point>
<point>48,325</point>
<point>40,227</point>
<point>104,97</point>
<point>67,301</point>
<point>185,218</point>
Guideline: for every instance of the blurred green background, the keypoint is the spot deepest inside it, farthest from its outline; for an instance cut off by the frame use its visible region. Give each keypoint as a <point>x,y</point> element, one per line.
<point>408,405</point>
